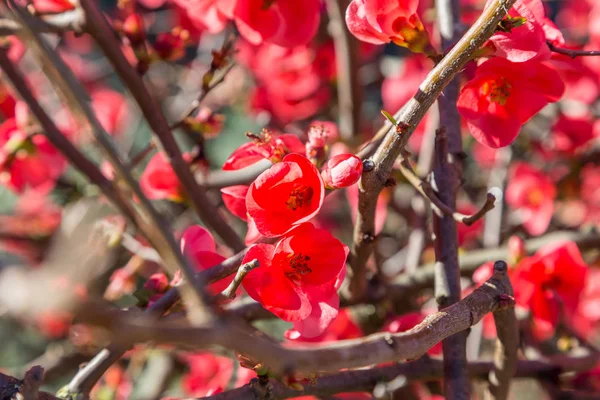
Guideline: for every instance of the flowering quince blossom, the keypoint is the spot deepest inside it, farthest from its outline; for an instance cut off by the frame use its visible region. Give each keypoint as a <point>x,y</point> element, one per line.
<point>385,21</point>
<point>549,284</point>
<point>293,83</point>
<point>285,195</point>
<point>504,95</point>
<point>297,274</point>
<point>590,192</point>
<point>531,192</point>
<point>199,246</point>
<point>571,134</point>
<point>27,161</point>
<point>520,43</point>
<point>342,327</point>
<point>234,198</point>
<point>159,181</point>
<point>53,6</point>
<point>210,374</point>
<point>285,23</point>
<point>111,108</point>
<point>266,146</point>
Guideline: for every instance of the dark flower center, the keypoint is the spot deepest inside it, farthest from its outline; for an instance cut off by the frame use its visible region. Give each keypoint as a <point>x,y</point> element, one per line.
<point>296,265</point>
<point>299,197</point>
<point>498,90</point>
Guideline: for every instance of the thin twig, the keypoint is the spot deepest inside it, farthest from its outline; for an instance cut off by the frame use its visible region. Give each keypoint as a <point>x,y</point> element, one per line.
<point>101,32</point>
<point>507,345</point>
<point>349,89</point>
<point>229,292</point>
<point>373,179</point>
<point>425,189</point>
<point>572,52</point>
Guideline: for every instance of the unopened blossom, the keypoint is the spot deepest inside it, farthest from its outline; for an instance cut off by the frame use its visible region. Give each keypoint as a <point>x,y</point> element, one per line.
<point>341,171</point>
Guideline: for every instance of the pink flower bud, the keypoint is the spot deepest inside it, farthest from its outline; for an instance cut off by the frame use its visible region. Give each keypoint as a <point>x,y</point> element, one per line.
<point>158,283</point>
<point>342,171</point>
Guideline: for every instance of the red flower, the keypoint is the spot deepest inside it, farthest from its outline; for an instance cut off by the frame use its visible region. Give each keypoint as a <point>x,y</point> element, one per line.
<point>158,181</point>
<point>266,146</point>
<point>111,109</point>
<point>531,192</point>
<point>590,192</point>
<point>384,21</point>
<point>208,374</point>
<point>342,171</point>
<point>27,161</point>
<point>342,327</point>
<point>297,273</point>
<point>286,23</point>
<point>52,6</point>
<point>287,194</point>
<point>294,82</point>
<point>549,284</point>
<point>504,95</point>
<point>527,41</point>
<point>205,14</point>
<point>199,246</point>
<point>571,134</point>
<point>234,198</point>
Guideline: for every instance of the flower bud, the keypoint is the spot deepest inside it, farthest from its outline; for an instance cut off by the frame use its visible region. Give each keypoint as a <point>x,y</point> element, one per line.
<point>341,171</point>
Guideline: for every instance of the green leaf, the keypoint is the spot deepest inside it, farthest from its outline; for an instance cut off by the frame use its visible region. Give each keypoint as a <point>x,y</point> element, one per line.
<point>389,117</point>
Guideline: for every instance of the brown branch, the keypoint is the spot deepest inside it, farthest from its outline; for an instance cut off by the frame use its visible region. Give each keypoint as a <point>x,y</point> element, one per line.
<point>423,369</point>
<point>86,377</point>
<point>571,52</point>
<point>101,32</point>
<point>373,349</point>
<point>507,345</point>
<point>373,179</point>
<point>424,188</point>
<point>349,89</point>
<point>406,286</point>
<point>448,175</point>
<point>229,292</point>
